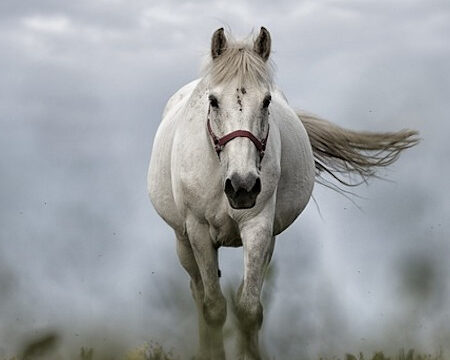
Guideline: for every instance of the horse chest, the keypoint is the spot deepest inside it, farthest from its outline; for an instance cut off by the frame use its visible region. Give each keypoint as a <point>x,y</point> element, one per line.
<point>212,208</point>
<point>224,231</point>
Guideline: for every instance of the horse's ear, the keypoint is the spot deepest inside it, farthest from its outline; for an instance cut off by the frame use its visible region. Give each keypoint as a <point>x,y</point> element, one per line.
<point>263,43</point>
<point>218,43</point>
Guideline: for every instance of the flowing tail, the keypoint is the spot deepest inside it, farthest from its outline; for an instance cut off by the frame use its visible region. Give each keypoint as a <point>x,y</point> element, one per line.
<point>342,153</point>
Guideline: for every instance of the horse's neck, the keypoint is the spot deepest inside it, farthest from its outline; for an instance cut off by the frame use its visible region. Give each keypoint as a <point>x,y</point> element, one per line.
<point>196,103</point>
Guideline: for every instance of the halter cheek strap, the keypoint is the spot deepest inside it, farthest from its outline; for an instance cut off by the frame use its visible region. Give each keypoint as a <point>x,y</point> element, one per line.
<point>219,143</point>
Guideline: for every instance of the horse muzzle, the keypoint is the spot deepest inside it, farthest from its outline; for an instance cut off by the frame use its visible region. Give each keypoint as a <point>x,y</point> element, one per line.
<point>242,191</point>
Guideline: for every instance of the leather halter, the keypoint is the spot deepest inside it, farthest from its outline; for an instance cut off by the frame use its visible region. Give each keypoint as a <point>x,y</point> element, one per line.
<point>219,143</point>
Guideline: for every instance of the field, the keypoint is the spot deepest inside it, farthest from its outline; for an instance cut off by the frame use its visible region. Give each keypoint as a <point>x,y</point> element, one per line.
<point>47,347</point>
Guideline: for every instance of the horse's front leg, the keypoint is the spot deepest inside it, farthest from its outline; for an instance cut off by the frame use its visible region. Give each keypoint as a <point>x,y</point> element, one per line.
<point>258,243</point>
<point>187,260</point>
<point>213,303</point>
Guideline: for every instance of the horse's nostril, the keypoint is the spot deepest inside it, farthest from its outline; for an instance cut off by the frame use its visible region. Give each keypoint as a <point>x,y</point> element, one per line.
<point>229,190</point>
<point>257,187</point>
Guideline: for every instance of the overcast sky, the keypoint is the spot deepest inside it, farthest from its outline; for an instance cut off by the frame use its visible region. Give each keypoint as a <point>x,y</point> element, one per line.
<point>83,84</point>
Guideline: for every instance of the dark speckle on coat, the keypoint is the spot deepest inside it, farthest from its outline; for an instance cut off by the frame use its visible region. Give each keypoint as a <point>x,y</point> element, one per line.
<point>239,101</point>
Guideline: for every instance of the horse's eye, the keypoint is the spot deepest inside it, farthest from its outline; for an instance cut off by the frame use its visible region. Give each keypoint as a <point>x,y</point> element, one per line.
<point>266,101</point>
<point>213,101</point>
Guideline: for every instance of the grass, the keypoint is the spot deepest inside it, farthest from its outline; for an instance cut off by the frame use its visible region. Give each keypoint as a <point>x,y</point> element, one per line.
<point>46,347</point>
<point>410,355</point>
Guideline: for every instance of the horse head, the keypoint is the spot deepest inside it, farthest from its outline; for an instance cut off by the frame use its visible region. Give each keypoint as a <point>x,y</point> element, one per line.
<point>239,96</point>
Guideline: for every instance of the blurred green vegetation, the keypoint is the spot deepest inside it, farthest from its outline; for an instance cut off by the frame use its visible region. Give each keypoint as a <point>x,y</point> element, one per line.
<point>46,347</point>
<point>402,355</point>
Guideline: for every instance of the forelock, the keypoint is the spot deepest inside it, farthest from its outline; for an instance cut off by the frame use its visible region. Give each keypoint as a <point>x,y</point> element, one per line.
<point>239,62</point>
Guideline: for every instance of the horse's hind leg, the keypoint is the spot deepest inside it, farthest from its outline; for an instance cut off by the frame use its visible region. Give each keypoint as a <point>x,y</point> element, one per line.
<point>199,258</point>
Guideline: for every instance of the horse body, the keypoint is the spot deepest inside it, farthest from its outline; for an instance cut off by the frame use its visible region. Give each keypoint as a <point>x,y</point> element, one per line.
<point>185,176</point>
<point>233,165</point>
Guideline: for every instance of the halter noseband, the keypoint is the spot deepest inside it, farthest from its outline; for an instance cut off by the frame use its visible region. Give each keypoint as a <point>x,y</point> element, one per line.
<point>219,143</point>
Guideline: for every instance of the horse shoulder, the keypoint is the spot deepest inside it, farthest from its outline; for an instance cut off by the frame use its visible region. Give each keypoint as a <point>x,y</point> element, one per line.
<point>197,181</point>
<point>159,178</point>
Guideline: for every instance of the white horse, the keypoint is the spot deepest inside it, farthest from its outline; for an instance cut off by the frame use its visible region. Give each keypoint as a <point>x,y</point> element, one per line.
<point>233,165</point>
